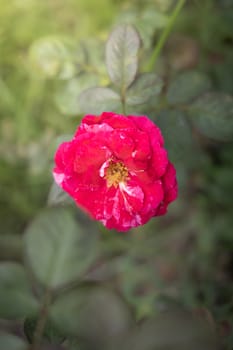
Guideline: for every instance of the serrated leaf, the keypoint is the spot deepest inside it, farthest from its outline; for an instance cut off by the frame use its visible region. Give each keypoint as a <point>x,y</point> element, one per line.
<point>122,55</point>
<point>57,248</point>
<point>212,114</point>
<point>67,95</point>
<point>99,99</point>
<point>143,88</point>
<point>16,298</point>
<point>11,342</point>
<point>187,86</point>
<point>91,313</point>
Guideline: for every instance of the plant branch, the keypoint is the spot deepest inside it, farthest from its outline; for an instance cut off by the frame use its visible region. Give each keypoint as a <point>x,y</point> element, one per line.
<point>165,34</point>
<point>43,315</point>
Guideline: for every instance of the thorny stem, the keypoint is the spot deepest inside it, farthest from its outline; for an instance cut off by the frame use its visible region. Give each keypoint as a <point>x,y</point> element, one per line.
<point>43,315</point>
<point>165,34</point>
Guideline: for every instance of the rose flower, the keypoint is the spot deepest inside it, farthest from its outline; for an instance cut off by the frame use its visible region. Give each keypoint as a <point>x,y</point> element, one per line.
<point>117,170</point>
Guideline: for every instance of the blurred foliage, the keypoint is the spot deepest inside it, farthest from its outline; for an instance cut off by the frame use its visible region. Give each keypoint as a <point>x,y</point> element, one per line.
<point>167,284</point>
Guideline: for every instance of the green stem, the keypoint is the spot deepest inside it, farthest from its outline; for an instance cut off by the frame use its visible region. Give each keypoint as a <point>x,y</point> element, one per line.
<point>165,34</point>
<point>43,315</point>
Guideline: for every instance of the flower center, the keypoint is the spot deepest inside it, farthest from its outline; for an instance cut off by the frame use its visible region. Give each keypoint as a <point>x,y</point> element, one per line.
<point>116,173</point>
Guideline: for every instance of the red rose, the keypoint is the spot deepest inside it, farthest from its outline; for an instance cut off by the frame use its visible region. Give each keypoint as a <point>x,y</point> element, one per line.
<point>117,170</point>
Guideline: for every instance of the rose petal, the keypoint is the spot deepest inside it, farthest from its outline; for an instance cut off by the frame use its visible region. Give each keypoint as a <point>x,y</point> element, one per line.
<point>146,125</point>
<point>120,144</point>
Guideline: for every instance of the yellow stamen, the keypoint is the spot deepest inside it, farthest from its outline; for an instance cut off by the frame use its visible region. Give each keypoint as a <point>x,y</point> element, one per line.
<point>116,173</point>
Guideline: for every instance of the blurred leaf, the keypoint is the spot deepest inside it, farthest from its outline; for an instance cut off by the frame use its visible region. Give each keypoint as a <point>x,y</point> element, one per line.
<point>56,143</point>
<point>137,280</point>
<point>95,57</point>
<point>143,88</point>
<point>52,57</point>
<point>50,333</point>
<point>99,99</point>
<point>212,114</point>
<point>11,247</point>
<point>178,137</point>
<point>57,248</point>
<point>67,96</point>
<point>11,342</point>
<point>187,86</point>
<point>182,148</point>
<point>91,313</point>
<point>147,21</point>
<point>171,331</point>
<point>16,299</point>
<point>58,196</point>
<point>222,73</point>
<point>122,55</point>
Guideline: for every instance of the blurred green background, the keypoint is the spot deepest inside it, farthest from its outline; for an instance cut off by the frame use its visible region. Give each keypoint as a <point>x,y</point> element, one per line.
<point>52,50</point>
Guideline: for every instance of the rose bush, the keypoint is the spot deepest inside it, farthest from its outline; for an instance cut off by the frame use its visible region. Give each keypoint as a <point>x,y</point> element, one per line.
<point>117,170</point>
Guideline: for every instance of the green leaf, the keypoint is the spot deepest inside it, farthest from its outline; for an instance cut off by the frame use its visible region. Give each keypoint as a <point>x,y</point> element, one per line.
<point>187,86</point>
<point>143,88</point>
<point>182,148</point>
<point>122,55</point>
<point>57,248</point>
<point>147,21</point>
<point>171,330</point>
<point>91,313</point>
<point>67,95</point>
<point>212,114</point>
<point>16,299</point>
<point>11,247</point>
<point>58,196</point>
<point>99,99</point>
<point>11,342</point>
<point>52,57</point>
<point>56,143</point>
<point>178,138</point>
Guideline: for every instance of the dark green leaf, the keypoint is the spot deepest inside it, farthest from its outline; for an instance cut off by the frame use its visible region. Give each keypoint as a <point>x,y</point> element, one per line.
<point>212,114</point>
<point>99,99</point>
<point>143,88</point>
<point>178,330</point>
<point>57,248</point>
<point>182,148</point>
<point>187,86</point>
<point>178,138</point>
<point>11,342</point>
<point>92,313</point>
<point>122,55</point>
<point>11,247</point>
<point>16,299</point>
